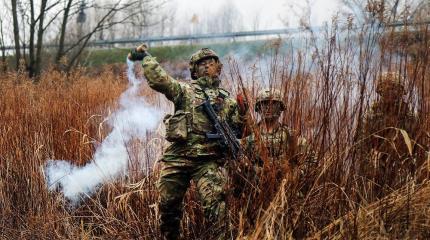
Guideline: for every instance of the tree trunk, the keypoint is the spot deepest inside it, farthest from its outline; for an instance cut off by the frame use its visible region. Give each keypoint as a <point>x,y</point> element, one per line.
<point>60,52</point>
<point>40,31</point>
<point>16,32</point>
<point>32,60</point>
<point>3,48</point>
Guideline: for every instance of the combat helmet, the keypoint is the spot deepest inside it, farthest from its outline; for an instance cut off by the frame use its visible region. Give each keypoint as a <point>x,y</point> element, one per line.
<point>201,54</point>
<point>267,95</point>
<point>390,80</point>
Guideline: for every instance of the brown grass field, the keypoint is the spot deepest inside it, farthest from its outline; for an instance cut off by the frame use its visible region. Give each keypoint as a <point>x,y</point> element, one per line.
<point>328,87</point>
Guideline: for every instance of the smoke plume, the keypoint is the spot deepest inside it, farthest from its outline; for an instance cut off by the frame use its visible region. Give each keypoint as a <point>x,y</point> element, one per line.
<point>133,119</point>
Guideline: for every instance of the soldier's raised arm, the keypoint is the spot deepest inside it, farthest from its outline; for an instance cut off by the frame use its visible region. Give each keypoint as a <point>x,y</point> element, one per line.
<point>157,77</point>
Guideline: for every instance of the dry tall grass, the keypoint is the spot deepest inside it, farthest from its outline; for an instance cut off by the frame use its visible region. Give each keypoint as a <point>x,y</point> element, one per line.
<point>328,87</point>
<point>59,118</point>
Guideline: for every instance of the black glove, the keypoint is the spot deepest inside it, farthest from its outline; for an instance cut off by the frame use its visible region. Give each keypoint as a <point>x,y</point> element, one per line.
<point>138,54</point>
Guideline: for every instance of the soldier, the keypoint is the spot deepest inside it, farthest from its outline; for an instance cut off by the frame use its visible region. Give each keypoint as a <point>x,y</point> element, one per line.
<point>276,141</point>
<point>276,146</point>
<point>278,153</point>
<point>191,156</point>
<point>389,161</point>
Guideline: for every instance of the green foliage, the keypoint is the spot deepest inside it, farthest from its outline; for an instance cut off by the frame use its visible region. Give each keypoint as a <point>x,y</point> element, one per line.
<point>174,53</point>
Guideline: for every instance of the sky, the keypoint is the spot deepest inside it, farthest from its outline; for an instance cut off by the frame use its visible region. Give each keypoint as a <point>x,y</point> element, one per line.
<point>270,12</point>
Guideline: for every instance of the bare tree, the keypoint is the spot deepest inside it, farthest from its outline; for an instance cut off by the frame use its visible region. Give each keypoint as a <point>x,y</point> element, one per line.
<point>172,21</point>
<point>65,20</point>
<point>256,21</point>
<point>145,16</point>
<point>37,17</point>
<point>16,32</point>
<point>3,47</point>
<point>40,32</point>
<point>226,19</point>
<point>38,21</point>
<point>384,11</point>
<point>37,29</point>
<point>231,19</point>
<point>105,21</point>
<point>32,57</point>
<point>106,17</point>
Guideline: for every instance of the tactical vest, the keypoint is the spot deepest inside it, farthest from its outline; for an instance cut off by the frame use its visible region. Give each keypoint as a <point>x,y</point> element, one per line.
<point>279,144</point>
<point>190,117</point>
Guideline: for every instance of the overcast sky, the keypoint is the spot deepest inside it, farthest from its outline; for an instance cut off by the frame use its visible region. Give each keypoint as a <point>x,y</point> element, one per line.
<point>270,11</point>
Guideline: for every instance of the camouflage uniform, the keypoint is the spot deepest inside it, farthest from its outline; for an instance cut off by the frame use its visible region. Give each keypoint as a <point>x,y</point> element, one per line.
<point>278,145</point>
<point>388,162</point>
<point>278,154</point>
<point>191,156</point>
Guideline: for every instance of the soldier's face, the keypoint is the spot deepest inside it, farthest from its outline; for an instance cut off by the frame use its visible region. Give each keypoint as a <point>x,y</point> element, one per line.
<point>270,110</point>
<point>208,68</point>
<point>388,96</point>
<point>391,93</point>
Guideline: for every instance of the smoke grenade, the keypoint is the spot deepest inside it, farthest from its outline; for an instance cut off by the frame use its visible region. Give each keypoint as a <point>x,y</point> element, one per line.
<point>132,120</point>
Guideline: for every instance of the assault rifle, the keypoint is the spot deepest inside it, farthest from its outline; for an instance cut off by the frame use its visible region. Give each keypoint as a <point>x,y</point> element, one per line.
<point>223,133</point>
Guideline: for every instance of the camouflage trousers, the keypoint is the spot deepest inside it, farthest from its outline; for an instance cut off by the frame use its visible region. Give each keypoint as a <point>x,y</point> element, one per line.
<point>175,177</point>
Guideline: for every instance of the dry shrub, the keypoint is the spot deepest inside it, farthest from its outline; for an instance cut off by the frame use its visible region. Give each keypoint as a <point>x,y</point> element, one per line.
<point>328,86</point>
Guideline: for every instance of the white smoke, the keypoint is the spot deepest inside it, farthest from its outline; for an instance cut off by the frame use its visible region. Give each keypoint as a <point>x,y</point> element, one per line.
<point>133,119</point>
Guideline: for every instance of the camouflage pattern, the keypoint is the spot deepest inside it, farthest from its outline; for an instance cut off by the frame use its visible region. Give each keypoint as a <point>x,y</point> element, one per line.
<point>384,144</point>
<point>188,97</point>
<point>195,157</point>
<point>390,80</point>
<point>282,147</point>
<point>387,115</point>
<point>280,143</point>
<point>204,53</point>
<point>175,177</point>
<point>269,95</point>
<point>388,162</point>
<point>381,117</point>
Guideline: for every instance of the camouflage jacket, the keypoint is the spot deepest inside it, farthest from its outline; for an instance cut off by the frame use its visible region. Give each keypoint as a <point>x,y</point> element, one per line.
<point>187,98</point>
<point>381,124</point>
<point>283,143</point>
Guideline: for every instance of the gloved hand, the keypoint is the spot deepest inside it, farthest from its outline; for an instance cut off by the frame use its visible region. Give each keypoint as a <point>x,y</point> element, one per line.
<point>242,104</point>
<point>139,53</point>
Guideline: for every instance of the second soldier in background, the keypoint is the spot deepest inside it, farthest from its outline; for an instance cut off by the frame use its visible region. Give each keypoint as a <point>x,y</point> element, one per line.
<point>274,141</point>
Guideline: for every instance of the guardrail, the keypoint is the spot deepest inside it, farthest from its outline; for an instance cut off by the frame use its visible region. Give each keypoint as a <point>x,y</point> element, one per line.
<point>150,40</point>
<point>201,36</point>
